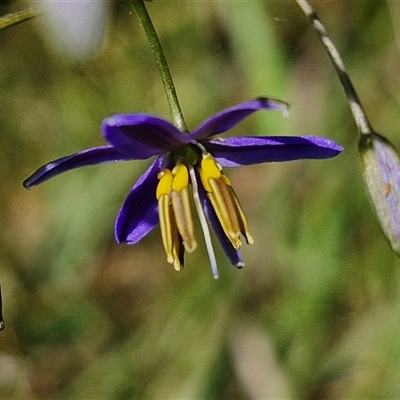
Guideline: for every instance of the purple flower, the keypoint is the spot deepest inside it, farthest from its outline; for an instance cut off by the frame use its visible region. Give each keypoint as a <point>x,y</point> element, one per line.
<point>75,28</point>
<point>162,193</point>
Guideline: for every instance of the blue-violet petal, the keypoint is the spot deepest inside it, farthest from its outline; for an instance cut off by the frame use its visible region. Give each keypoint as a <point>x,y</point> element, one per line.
<point>233,152</point>
<point>93,156</point>
<point>141,136</point>
<point>229,118</point>
<point>139,213</point>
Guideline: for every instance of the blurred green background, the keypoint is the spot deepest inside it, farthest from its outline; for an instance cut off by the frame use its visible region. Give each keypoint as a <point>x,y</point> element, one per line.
<point>315,313</point>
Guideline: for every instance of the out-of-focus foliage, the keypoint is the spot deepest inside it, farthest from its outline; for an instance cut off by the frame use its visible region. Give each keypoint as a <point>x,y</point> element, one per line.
<point>315,312</point>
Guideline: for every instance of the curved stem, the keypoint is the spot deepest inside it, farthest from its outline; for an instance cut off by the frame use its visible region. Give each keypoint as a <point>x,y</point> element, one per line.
<point>359,115</point>
<point>172,98</point>
<point>17,17</point>
<point>2,324</point>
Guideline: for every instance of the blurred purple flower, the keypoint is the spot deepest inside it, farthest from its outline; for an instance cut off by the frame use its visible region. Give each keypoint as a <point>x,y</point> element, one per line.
<point>161,193</point>
<point>76,28</point>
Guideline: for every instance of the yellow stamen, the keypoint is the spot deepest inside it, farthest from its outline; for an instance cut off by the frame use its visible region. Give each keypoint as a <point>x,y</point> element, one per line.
<point>163,191</point>
<point>226,179</point>
<point>224,201</point>
<point>244,226</point>
<point>165,226</point>
<point>165,184</point>
<point>181,206</point>
<point>224,206</point>
<point>209,169</point>
<point>181,178</point>
<point>177,248</point>
<point>171,239</point>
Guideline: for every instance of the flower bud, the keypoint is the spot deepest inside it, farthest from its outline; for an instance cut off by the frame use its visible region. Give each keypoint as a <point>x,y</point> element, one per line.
<point>380,164</point>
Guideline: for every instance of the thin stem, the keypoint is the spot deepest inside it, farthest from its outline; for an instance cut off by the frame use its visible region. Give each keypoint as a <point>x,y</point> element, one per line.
<point>17,17</point>
<point>172,98</point>
<point>2,324</point>
<point>359,115</point>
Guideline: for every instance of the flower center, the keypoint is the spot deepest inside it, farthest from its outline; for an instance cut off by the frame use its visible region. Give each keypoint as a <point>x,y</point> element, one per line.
<point>189,154</point>
<point>176,222</point>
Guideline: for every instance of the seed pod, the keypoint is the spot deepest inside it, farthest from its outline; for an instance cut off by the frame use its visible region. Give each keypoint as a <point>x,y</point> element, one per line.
<point>380,164</point>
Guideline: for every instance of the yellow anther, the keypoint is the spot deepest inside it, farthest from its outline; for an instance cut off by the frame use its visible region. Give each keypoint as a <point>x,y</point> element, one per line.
<point>244,226</point>
<point>172,241</point>
<point>181,178</point>
<point>225,208</point>
<point>177,248</point>
<point>181,206</point>
<point>166,225</point>
<point>224,201</point>
<point>226,179</point>
<point>176,223</point>
<point>165,184</point>
<point>208,169</point>
<point>175,216</point>
<point>183,218</point>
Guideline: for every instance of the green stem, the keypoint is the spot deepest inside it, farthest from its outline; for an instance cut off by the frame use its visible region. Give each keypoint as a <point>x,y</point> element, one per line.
<point>17,17</point>
<point>172,98</point>
<point>2,324</point>
<point>359,115</point>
